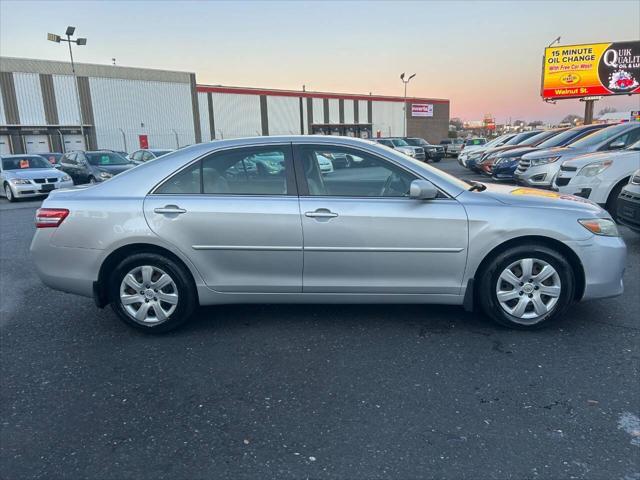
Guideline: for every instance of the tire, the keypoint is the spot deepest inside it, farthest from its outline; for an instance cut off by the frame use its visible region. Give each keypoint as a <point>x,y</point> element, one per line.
<point>9,193</point>
<point>612,201</point>
<point>563,278</point>
<point>170,315</point>
<point>436,160</point>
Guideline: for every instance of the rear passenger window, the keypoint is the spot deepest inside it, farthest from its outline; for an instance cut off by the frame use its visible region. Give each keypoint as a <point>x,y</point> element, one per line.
<point>185,182</point>
<point>246,171</point>
<point>241,171</point>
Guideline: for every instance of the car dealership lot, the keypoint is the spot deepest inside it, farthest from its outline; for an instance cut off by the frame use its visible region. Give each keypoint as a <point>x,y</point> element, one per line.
<point>312,391</point>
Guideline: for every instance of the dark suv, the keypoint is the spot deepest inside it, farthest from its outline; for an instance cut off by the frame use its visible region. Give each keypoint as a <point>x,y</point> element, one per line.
<point>434,153</point>
<point>93,167</point>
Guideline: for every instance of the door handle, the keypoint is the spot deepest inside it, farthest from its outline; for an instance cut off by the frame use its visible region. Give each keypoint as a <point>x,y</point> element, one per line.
<point>321,213</point>
<point>170,209</point>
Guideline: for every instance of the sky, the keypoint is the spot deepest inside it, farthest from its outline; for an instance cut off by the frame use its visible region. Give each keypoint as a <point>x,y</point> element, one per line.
<point>484,56</point>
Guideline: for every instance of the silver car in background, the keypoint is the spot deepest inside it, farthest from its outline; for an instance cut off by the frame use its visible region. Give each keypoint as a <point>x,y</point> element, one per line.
<point>27,176</point>
<point>196,227</point>
<point>539,169</point>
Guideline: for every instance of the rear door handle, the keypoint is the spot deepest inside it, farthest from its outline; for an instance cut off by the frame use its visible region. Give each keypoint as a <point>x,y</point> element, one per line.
<point>321,213</point>
<point>170,209</point>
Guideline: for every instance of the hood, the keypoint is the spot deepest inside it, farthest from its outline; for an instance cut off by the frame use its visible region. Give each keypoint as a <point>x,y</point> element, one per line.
<point>31,173</point>
<point>499,150</point>
<point>533,197</point>
<point>112,169</point>
<point>583,160</point>
<point>516,152</point>
<point>564,152</point>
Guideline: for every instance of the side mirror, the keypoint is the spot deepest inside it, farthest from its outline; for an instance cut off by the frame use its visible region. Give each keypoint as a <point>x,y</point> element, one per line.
<point>422,190</point>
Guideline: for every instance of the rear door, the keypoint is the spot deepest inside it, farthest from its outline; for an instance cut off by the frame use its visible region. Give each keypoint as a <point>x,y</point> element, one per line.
<point>362,234</point>
<point>235,213</point>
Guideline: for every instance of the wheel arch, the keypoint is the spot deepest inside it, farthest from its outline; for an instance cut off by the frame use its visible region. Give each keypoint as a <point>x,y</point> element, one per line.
<point>563,249</point>
<point>100,288</point>
<point>621,183</point>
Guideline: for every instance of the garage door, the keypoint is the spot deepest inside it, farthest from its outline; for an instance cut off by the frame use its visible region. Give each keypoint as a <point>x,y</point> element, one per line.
<point>37,143</point>
<point>73,142</point>
<point>5,146</point>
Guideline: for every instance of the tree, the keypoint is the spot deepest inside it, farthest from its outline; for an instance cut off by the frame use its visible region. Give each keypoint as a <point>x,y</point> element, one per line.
<point>456,122</point>
<point>572,119</point>
<point>453,134</point>
<point>606,110</point>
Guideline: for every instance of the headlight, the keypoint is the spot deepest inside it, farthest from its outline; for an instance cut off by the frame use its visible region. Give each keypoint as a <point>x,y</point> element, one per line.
<point>65,178</point>
<point>105,175</point>
<point>595,168</point>
<point>600,226</point>
<point>20,181</point>
<point>543,161</point>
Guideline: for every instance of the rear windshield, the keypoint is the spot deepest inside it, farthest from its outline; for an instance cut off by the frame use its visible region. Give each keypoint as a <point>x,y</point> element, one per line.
<point>106,158</point>
<point>22,163</point>
<point>159,153</point>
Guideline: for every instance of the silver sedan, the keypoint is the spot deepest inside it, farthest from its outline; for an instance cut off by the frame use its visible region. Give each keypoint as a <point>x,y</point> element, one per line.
<point>26,176</point>
<point>209,224</point>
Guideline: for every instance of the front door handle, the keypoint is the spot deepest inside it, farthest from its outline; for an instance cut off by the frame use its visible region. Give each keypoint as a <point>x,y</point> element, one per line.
<point>321,213</point>
<point>170,209</point>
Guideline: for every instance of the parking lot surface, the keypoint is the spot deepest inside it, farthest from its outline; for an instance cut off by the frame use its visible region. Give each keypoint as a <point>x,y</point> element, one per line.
<point>312,391</point>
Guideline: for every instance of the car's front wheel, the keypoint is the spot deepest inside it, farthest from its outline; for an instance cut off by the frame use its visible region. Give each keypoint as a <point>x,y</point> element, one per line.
<point>151,292</point>
<point>526,286</point>
<point>9,193</point>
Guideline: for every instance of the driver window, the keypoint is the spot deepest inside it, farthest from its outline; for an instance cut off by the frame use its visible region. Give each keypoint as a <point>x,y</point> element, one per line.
<point>345,172</point>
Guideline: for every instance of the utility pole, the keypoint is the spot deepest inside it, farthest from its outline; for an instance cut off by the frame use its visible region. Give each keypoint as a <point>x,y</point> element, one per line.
<point>405,100</point>
<point>80,41</point>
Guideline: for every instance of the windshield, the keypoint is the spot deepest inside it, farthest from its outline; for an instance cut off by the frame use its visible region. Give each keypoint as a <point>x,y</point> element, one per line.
<point>415,141</point>
<point>600,136</point>
<point>159,153</point>
<point>23,163</point>
<point>398,142</point>
<point>475,141</point>
<point>562,139</point>
<point>106,158</point>
<point>635,146</point>
<point>521,137</point>
<point>537,139</point>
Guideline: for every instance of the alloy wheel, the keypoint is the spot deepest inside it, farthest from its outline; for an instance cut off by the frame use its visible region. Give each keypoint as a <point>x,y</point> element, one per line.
<point>8,192</point>
<point>528,289</point>
<point>149,295</point>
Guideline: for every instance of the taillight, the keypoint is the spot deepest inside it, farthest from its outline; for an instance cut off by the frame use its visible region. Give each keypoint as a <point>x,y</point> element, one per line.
<point>50,217</point>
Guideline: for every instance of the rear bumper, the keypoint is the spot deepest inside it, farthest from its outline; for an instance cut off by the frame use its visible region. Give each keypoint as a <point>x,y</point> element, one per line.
<point>604,262</point>
<point>71,270</point>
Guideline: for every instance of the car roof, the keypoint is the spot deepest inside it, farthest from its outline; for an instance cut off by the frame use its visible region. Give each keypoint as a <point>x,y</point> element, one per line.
<point>23,155</point>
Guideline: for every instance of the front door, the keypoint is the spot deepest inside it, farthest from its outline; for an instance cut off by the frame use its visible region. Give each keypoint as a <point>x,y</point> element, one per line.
<point>362,234</point>
<point>235,214</point>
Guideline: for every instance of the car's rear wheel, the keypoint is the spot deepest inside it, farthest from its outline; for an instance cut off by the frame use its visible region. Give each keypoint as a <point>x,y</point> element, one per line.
<point>526,287</point>
<point>9,193</point>
<point>151,292</point>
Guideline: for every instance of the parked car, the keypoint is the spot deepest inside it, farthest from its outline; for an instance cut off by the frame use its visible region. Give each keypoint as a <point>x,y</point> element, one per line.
<point>452,146</point>
<point>180,231</point>
<point>476,156</point>
<point>24,176</point>
<point>93,166</point>
<point>600,176</point>
<point>144,155</point>
<point>324,163</point>
<point>400,145</point>
<point>538,169</point>
<point>628,210</point>
<point>476,150</point>
<point>474,143</point>
<point>435,153</point>
<point>505,164</point>
<point>485,164</point>
<point>52,157</point>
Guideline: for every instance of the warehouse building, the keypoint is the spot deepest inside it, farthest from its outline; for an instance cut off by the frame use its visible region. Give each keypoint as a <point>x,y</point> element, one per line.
<point>125,108</point>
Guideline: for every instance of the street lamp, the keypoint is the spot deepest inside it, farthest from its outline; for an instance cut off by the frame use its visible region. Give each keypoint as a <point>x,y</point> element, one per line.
<point>52,37</point>
<point>405,99</point>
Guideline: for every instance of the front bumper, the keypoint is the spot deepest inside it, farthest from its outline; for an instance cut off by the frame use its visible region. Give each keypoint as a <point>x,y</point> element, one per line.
<point>540,176</point>
<point>434,155</point>
<point>37,189</point>
<point>504,171</point>
<point>604,260</point>
<point>592,188</point>
<point>628,211</point>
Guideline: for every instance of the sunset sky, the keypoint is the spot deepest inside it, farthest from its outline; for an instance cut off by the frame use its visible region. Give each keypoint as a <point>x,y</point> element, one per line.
<point>483,56</point>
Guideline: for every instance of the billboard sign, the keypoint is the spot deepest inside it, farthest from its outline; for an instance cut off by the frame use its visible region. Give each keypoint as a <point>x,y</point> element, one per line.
<point>576,71</point>
<point>421,110</point>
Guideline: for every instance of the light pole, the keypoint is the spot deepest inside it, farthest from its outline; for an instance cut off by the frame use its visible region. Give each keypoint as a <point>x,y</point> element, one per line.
<point>52,37</point>
<point>405,99</point>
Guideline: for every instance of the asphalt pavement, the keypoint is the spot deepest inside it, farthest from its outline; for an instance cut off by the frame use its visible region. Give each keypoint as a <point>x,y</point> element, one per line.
<point>312,391</point>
